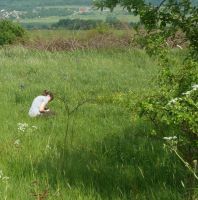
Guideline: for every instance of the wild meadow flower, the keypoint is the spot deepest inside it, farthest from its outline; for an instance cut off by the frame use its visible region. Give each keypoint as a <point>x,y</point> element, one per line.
<point>17,142</point>
<point>173,101</point>
<point>22,127</point>
<point>170,138</point>
<point>187,93</point>
<point>34,127</point>
<point>195,87</point>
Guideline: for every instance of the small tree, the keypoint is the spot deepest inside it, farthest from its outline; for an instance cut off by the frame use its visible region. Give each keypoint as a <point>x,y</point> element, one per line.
<point>10,32</point>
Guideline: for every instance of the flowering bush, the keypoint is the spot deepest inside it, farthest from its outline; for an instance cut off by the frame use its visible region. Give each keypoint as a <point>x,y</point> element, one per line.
<point>183,111</point>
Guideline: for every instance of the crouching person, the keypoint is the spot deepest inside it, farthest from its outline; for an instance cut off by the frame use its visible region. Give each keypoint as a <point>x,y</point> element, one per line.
<point>39,105</point>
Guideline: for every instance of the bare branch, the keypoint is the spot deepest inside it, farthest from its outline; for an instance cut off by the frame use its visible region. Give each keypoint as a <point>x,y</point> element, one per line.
<point>160,5</point>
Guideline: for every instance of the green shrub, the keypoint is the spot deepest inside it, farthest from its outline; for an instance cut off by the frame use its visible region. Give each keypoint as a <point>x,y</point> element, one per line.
<point>10,32</point>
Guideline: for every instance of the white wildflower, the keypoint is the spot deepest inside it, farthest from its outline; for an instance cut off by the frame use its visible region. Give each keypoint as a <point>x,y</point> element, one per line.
<point>34,127</point>
<point>17,142</point>
<point>195,87</point>
<point>187,93</point>
<point>22,126</point>
<point>173,101</point>
<point>170,138</point>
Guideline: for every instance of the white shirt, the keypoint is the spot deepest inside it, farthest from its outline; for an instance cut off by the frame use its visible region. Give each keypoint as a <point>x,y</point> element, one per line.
<point>35,107</point>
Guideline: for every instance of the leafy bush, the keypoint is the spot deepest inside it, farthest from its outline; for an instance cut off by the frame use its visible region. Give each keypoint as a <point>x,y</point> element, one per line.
<point>10,32</point>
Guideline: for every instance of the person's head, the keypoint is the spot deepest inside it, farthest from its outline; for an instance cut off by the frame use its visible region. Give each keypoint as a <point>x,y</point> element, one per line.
<point>49,94</point>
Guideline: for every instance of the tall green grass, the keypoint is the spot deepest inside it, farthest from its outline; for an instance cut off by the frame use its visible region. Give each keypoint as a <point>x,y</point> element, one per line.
<point>105,155</point>
<point>68,34</point>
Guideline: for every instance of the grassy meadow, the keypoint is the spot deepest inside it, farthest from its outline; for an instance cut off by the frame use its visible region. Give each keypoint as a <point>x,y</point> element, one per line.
<point>98,152</point>
<point>97,16</point>
<point>53,34</point>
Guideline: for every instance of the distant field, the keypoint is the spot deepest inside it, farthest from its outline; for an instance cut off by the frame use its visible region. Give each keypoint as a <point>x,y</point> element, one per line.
<point>44,20</point>
<point>124,18</point>
<point>55,19</point>
<point>105,154</point>
<point>48,15</point>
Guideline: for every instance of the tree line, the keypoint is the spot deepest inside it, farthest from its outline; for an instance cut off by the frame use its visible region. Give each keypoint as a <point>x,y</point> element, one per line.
<point>80,24</point>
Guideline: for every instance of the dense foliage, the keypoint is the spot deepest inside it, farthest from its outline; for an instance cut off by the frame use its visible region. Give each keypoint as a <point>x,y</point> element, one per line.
<point>10,32</point>
<point>77,24</point>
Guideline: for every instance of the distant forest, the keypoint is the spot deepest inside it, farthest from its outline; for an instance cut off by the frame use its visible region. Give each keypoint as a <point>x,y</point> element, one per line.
<point>27,4</point>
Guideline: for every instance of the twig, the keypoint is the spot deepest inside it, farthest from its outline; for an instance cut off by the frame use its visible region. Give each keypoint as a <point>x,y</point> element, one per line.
<point>79,105</point>
<point>185,163</point>
<point>160,5</point>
